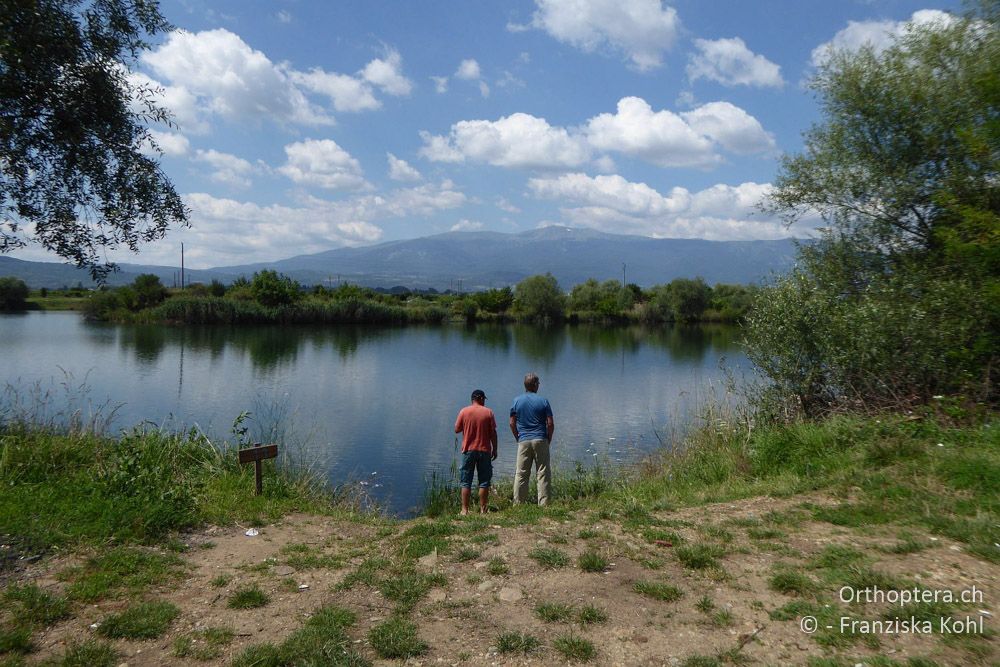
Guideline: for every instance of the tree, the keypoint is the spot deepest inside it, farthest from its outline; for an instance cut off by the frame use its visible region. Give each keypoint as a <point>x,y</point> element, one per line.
<point>74,176</point>
<point>273,289</point>
<point>13,293</point>
<point>149,291</point>
<point>899,299</point>
<point>539,298</point>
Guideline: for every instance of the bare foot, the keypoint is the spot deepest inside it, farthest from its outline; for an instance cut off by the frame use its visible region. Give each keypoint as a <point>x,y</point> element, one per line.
<point>464,513</point>
<point>483,511</point>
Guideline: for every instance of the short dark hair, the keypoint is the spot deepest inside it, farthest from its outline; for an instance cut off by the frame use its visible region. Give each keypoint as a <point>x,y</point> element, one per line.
<point>531,380</point>
<point>479,395</point>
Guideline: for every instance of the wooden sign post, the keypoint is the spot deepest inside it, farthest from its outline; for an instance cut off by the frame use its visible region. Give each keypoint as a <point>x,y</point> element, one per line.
<point>257,454</point>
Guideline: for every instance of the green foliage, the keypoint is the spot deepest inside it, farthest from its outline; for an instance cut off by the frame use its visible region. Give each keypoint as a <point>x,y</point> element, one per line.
<point>549,557</point>
<point>148,290</point>
<point>575,648</point>
<point>270,288</point>
<point>607,300</point>
<point>323,640</point>
<point>91,653</point>
<point>206,644</point>
<point>13,293</point>
<point>539,298</point>
<point>516,642</point>
<point>495,301</point>
<point>146,620</point>
<point>658,591</point>
<point>396,638</point>
<point>248,597</point>
<point>32,605</point>
<point>900,300</point>
<point>76,130</point>
<point>554,612</point>
<point>591,561</point>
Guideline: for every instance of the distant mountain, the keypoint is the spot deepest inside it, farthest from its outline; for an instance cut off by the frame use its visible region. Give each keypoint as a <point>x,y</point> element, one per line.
<point>491,259</point>
<point>477,260</point>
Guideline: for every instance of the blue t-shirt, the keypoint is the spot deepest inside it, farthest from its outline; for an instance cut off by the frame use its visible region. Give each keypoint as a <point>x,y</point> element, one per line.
<point>531,411</point>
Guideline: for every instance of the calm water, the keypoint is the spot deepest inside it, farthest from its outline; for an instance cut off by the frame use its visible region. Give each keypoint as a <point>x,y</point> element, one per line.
<point>372,404</point>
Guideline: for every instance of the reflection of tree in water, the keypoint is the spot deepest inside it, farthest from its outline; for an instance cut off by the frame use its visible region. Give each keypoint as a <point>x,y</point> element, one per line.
<point>491,336</point>
<point>147,340</point>
<point>268,346</point>
<point>592,339</point>
<point>539,343</point>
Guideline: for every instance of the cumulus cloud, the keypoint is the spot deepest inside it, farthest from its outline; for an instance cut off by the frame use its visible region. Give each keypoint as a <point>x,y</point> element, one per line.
<point>171,143</point>
<point>322,163</point>
<point>640,29</point>
<point>468,70</point>
<point>731,127</point>
<point>400,170</point>
<point>227,169</point>
<point>613,204</point>
<point>387,74</point>
<point>877,34</point>
<point>347,93</point>
<point>231,79</point>
<point>226,231</point>
<point>731,63</point>
<point>516,141</point>
<point>689,139</point>
<point>466,226</point>
<point>440,84</point>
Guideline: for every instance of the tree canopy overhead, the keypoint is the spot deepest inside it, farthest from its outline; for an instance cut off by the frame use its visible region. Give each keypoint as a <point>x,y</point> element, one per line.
<point>74,174</point>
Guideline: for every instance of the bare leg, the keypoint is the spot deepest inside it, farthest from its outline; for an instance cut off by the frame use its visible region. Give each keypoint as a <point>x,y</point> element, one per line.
<point>484,496</point>
<point>466,493</point>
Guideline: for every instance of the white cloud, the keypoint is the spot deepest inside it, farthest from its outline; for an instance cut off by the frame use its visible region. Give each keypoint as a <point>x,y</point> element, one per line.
<point>505,205</point>
<point>468,70</point>
<point>516,141</point>
<point>231,79</point>
<point>179,101</point>
<point>346,92</point>
<point>731,127</point>
<point>227,168</point>
<point>400,170</point>
<point>877,34</point>
<point>284,16</point>
<point>731,63</point>
<point>322,163</point>
<point>440,84</point>
<point>226,231</point>
<point>613,204</point>
<point>484,89</point>
<point>661,137</point>
<point>466,226</point>
<point>640,29</point>
<point>171,143</point>
<point>386,73</point>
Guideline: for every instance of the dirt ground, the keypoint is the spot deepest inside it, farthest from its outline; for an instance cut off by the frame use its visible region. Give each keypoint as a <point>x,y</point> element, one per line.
<point>461,621</point>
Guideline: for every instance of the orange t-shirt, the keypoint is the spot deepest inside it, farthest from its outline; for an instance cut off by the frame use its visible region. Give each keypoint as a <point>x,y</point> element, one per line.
<point>477,424</point>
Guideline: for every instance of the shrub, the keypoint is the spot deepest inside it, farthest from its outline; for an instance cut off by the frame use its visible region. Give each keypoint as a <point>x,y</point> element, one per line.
<point>13,293</point>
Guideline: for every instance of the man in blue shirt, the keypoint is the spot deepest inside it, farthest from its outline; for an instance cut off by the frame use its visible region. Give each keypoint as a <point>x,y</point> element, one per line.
<point>532,425</point>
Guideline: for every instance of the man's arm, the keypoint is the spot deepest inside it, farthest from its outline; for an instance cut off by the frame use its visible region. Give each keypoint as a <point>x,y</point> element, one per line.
<point>493,441</point>
<point>550,427</point>
<point>458,423</point>
<point>513,427</point>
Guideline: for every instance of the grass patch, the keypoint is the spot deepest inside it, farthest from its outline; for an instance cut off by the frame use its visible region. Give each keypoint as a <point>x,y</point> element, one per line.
<point>554,612</point>
<point>790,582</point>
<point>16,639</point>
<point>574,648</point>
<point>497,566</point>
<point>699,556</point>
<point>658,591</point>
<point>465,554</point>
<point>248,597</point>
<point>221,580</point>
<point>591,615</point>
<point>765,533</point>
<point>91,653</point>
<point>128,569</point>
<point>305,557</point>
<point>407,588</point>
<point>549,557</point>
<point>396,638</point>
<point>516,642</point>
<point>204,644</point>
<point>591,561</point>
<point>323,640</point>
<point>146,620</point>
<point>367,573</point>
<point>837,556</point>
<point>31,605</point>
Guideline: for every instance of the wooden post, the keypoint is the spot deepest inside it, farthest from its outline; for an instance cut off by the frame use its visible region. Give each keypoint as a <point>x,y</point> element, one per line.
<point>257,454</point>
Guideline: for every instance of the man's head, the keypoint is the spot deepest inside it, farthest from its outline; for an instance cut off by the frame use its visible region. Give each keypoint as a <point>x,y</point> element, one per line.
<point>479,396</point>
<point>531,382</point>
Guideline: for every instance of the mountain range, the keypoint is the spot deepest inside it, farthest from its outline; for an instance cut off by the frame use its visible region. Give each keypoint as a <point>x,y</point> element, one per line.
<point>470,261</point>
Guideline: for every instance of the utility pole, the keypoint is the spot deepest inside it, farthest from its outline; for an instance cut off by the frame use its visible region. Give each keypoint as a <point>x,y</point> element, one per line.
<point>623,275</point>
<point>182,265</point>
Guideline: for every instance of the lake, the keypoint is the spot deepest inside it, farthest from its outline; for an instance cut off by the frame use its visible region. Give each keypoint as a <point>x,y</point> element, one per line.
<point>371,404</point>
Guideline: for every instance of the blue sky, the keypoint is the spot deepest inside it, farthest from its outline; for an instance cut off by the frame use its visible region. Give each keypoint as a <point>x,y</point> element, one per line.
<point>306,125</point>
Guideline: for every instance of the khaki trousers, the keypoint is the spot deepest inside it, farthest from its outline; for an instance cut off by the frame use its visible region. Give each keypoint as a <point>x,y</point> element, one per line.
<point>528,452</point>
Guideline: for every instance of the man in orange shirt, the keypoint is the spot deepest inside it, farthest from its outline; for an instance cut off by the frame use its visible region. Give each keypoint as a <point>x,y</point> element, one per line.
<point>478,427</point>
